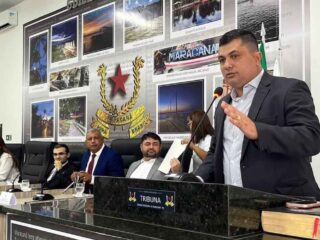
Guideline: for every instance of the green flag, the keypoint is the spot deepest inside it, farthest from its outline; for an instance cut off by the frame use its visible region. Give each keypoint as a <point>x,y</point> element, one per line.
<point>263,57</point>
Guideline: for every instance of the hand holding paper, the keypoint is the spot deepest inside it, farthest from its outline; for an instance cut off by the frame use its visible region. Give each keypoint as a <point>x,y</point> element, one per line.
<point>174,152</point>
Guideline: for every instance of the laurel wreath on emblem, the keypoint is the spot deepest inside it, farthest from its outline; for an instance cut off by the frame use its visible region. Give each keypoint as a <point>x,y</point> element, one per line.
<point>112,108</point>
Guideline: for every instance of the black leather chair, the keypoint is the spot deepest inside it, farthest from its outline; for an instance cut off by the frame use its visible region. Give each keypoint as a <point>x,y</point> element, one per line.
<point>76,151</point>
<point>129,149</point>
<point>38,158</point>
<point>165,145</point>
<point>17,150</point>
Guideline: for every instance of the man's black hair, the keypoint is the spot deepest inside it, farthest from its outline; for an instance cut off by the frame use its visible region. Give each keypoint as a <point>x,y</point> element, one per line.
<point>61,145</point>
<point>150,135</point>
<point>246,37</point>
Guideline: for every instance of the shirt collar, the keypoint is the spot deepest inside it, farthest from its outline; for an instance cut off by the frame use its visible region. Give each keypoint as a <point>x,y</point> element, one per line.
<point>253,83</point>
<point>149,161</point>
<point>65,163</point>
<point>99,152</point>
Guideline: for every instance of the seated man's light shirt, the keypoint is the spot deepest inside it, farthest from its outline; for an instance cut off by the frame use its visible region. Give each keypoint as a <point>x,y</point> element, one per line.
<point>233,136</point>
<point>96,159</point>
<point>143,169</point>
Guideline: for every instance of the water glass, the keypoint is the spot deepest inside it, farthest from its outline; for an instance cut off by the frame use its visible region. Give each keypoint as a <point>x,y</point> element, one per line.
<point>79,189</point>
<point>25,185</point>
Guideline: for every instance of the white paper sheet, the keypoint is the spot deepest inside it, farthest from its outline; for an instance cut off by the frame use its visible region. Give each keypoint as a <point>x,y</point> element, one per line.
<point>174,152</point>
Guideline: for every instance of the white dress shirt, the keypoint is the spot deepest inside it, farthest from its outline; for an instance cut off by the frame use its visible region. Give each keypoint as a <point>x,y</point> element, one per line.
<point>143,169</point>
<point>233,136</point>
<point>96,159</point>
<point>7,171</point>
<point>196,161</point>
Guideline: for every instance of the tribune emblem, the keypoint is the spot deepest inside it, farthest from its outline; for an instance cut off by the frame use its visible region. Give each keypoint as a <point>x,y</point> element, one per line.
<point>110,114</point>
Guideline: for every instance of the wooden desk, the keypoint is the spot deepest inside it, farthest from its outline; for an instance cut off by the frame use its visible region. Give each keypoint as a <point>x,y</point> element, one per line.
<point>4,186</point>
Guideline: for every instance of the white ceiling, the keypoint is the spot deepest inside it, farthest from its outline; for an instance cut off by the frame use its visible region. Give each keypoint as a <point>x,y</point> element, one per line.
<point>5,4</point>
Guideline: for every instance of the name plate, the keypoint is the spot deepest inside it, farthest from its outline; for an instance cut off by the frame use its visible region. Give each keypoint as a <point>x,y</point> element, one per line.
<point>149,198</point>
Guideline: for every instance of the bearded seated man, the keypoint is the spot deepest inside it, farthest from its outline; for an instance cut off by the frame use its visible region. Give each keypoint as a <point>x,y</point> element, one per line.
<point>147,167</point>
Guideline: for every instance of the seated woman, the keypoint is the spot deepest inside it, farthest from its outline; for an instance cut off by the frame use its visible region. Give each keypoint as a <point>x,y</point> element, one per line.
<point>8,164</point>
<point>199,145</point>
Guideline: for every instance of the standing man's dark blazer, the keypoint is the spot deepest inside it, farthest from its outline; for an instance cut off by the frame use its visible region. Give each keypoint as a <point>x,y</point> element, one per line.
<point>62,177</point>
<point>288,135</point>
<point>109,163</point>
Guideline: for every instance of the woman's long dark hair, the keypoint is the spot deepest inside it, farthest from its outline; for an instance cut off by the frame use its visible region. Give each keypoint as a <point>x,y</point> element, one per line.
<point>205,128</point>
<point>4,149</point>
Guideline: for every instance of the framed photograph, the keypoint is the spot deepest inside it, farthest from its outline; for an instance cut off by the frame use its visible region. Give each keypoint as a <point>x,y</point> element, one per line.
<point>188,17</point>
<point>72,120</point>
<point>42,120</point>
<point>251,15</point>
<point>175,101</point>
<point>98,31</point>
<point>64,42</point>
<point>38,61</point>
<point>71,80</point>
<point>143,22</point>
<point>186,59</point>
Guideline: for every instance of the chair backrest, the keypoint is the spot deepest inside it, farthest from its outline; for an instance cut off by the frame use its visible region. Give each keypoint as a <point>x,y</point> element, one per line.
<point>165,145</point>
<point>17,150</point>
<point>76,152</point>
<point>129,149</point>
<point>38,158</point>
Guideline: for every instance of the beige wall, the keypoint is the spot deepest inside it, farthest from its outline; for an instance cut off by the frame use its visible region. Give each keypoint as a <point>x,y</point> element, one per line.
<point>11,60</point>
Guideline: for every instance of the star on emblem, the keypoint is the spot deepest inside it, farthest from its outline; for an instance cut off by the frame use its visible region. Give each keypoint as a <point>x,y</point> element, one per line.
<point>119,80</point>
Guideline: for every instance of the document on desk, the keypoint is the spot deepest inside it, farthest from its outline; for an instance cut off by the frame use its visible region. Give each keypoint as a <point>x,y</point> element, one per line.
<point>174,152</point>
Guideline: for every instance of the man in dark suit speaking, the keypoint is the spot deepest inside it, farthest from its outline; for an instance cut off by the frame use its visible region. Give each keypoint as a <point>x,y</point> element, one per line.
<point>266,129</point>
<point>99,160</point>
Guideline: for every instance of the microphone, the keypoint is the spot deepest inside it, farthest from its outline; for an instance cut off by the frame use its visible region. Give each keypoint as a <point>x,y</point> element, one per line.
<point>189,177</point>
<point>12,189</point>
<point>42,196</point>
<point>185,163</point>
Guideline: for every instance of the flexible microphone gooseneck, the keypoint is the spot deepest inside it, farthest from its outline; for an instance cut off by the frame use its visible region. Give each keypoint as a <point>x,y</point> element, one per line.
<point>12,189</point>
<point>185,163</point>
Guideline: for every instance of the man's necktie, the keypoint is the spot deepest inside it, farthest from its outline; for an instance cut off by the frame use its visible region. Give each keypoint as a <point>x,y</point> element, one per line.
<point>91,163</point>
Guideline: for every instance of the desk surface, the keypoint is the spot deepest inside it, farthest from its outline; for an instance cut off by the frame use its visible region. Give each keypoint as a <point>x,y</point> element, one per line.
<point>5,186</point>
<point>79,213</point>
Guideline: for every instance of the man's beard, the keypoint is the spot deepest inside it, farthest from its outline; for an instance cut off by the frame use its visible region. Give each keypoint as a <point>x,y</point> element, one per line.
<point>151,154</point>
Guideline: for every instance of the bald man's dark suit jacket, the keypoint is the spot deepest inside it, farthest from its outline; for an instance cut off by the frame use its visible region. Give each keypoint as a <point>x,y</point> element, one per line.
<point>289,134</point>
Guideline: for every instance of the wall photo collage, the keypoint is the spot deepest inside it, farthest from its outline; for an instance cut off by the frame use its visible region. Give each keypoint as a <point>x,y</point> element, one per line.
<point>131,66</point>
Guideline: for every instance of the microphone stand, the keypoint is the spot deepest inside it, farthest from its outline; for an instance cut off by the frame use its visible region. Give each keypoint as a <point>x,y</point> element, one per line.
<point>42,196</point>
<point>13,189</point>
<point>186,163</point>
